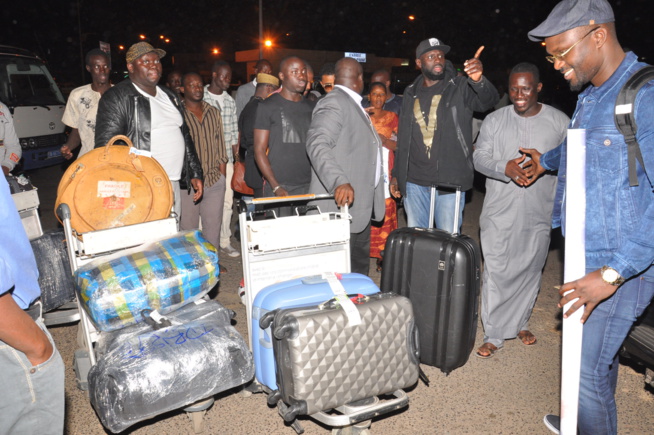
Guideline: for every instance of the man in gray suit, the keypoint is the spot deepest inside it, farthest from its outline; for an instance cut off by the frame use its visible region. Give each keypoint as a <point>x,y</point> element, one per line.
<point>345,154</point>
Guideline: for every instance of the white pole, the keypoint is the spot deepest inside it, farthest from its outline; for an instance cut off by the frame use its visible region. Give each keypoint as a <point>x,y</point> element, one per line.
<point>574,268</point>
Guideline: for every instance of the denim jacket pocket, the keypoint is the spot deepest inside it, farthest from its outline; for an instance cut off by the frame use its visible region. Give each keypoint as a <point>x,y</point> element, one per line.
<point>606,151</point>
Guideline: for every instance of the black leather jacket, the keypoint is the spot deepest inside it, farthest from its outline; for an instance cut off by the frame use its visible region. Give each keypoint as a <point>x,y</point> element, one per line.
<point>124,110</point>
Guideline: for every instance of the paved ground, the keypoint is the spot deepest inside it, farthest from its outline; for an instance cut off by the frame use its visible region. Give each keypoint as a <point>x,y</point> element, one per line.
<point>508,394</point>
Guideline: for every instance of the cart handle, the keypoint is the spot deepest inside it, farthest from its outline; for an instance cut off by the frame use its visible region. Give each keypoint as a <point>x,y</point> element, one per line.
<point>244,202</point>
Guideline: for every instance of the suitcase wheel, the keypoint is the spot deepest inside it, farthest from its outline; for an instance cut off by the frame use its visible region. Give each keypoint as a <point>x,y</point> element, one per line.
<point>274,397</point>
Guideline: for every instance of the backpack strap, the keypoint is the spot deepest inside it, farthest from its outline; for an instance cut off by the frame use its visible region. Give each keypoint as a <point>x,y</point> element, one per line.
<point>625,119</point>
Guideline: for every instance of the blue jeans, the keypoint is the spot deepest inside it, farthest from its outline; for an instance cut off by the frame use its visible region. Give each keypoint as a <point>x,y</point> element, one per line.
<point>604,332</point>
<point>32,399</point>
<point>416,204</point>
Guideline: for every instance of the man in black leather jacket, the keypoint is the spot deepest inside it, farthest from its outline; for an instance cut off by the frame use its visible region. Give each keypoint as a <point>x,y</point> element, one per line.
<point>133,107</point>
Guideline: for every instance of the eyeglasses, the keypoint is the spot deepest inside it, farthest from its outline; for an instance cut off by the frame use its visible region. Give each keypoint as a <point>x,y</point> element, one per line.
<point>553,58</point>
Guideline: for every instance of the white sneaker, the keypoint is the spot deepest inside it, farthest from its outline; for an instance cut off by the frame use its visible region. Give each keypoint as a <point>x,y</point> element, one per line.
<point>552,422</point>
<point>229,250</point>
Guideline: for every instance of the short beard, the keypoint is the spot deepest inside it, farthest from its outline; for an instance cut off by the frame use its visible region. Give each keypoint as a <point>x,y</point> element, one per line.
<point>433,77</point>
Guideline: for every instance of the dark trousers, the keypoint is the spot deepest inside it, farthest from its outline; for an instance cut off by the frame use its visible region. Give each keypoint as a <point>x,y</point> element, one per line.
<point>360,251</point>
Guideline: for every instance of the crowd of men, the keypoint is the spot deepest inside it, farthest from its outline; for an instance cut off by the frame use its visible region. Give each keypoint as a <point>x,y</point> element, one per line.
<point>295,141</point>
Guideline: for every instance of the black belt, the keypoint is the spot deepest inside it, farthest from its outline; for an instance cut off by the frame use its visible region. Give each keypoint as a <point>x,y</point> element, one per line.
<point>35,311</point>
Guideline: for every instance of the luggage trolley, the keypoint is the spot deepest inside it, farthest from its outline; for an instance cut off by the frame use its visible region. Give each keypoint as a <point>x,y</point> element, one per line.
<point>283,248</point>
<point>92,245</point>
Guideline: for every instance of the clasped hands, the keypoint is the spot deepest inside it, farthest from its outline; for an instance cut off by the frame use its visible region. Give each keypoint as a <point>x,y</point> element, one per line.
<point>524,173</point>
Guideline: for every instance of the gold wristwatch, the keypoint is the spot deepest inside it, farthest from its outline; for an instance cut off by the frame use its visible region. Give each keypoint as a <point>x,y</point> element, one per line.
<point>611,276</point>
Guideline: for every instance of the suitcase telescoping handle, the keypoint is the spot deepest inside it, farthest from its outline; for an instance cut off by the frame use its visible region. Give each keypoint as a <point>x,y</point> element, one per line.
<point>457,207</point>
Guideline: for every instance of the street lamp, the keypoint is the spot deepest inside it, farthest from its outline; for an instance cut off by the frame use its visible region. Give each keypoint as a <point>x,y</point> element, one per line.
<point>422,24</point>
<point>268,43</point>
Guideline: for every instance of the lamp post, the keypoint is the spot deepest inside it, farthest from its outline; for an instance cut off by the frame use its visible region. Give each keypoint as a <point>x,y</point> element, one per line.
<point>260,29</point>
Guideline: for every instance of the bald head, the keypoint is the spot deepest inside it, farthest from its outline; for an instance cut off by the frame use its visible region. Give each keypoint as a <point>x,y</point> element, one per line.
<point>349,74</point>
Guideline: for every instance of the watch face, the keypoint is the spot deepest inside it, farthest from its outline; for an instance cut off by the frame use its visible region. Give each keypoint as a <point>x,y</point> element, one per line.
<point>610,275</point>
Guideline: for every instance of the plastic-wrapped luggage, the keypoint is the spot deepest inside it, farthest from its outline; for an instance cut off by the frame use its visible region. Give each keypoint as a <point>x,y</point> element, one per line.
<point>300,292</point>
<point>325,358</point>
<point>142,373</point>
<point>163,276</point>
<point>55,278</point>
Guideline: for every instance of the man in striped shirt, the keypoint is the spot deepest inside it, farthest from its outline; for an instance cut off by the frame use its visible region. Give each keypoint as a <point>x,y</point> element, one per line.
<point>205,126</point>
<point>216,93</point>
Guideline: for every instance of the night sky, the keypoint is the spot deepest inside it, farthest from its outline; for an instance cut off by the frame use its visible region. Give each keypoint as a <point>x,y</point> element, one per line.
<point>51,28</point>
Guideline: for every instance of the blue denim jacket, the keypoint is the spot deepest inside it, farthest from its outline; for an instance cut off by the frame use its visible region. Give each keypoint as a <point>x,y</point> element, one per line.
<point>619,218</point>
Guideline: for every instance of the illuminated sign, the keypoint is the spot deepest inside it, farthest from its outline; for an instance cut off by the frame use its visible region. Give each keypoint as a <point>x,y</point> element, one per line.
<point>360,57</point>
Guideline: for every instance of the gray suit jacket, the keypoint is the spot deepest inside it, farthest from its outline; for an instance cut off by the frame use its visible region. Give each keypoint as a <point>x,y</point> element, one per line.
<point>344,147</point>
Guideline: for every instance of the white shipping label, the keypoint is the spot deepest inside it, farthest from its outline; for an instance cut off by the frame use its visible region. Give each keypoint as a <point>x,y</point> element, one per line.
<point>119,189</point>
<point>139,152</point>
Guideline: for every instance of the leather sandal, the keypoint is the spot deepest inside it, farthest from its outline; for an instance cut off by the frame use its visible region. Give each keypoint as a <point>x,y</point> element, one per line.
<point>488,349</point>
<point>527,338</point>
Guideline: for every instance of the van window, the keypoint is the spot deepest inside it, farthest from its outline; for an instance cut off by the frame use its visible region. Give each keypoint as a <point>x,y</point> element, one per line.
<point>27,82</point>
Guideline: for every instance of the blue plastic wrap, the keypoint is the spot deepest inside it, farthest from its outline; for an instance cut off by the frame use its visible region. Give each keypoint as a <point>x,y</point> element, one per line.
<point>163,276</point>
<point>142,373</point>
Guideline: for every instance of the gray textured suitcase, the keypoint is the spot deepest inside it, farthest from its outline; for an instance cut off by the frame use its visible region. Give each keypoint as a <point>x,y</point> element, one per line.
<point>324,362</point>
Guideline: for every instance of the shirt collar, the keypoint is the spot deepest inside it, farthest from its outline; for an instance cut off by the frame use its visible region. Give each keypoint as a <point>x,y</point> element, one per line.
<point>356,97</point>
<point>616,78</point>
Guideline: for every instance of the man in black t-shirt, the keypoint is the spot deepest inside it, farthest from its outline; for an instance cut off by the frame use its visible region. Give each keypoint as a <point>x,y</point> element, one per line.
<point>266,85</point>
<point>280,132</point>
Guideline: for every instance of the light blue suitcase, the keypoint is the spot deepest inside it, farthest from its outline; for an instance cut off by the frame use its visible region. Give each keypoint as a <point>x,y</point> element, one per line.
<point>301,292</point>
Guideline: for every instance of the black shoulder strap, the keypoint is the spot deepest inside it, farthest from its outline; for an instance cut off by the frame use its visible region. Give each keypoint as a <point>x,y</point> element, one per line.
<point>625,119</point>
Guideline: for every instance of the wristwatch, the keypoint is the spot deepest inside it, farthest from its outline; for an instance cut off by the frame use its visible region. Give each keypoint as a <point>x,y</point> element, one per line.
<point>611,276</point>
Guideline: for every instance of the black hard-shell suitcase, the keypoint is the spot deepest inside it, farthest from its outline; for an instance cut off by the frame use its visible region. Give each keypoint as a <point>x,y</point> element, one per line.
<point>55,278</point>
<point>323,361</point>
<point>440,273</point>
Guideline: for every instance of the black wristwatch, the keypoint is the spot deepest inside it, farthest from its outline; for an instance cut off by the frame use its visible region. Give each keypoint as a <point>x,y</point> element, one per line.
<point>611,276</point>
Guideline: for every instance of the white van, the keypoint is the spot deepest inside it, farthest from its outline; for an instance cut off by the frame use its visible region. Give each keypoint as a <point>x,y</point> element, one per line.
<point>36,104</point>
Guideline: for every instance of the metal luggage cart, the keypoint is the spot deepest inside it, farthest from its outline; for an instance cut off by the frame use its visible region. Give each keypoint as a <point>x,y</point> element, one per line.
<point>284,248</point>
<point>85,247</point>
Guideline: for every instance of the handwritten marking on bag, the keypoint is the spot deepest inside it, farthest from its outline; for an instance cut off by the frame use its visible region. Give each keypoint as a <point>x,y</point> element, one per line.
<point>118,221</point>
<point>169,337</point>
<point>119,189</point>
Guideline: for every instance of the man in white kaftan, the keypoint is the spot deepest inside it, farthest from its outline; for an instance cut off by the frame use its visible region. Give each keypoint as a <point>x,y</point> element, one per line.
<point>515,221</point>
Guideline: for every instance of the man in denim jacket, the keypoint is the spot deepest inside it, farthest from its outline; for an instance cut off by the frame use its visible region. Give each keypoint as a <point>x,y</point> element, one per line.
<point>581,39</point>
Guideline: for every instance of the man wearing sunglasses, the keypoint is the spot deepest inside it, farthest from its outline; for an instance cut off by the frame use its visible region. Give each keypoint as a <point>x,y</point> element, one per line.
<point>581,40</point>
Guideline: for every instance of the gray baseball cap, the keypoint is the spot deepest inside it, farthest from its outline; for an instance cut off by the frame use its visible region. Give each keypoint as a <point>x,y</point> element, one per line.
<point>569,14</point>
